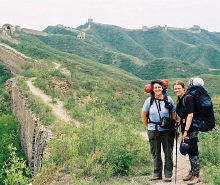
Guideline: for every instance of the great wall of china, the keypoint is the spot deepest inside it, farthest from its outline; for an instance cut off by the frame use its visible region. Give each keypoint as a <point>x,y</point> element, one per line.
<point>34,136</point>
<point>8,30</point>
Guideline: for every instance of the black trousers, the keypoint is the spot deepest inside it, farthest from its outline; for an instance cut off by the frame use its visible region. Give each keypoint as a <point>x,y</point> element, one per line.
<point>156,139</point>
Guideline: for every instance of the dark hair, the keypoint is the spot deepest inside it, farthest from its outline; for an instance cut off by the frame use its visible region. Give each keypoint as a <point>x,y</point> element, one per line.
<point>156,82</point>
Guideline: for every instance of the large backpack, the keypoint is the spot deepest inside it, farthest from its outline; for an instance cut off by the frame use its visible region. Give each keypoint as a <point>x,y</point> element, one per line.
<point>204,117</point>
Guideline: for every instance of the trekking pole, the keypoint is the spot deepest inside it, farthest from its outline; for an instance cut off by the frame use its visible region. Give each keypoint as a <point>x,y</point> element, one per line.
<point>176,135</point>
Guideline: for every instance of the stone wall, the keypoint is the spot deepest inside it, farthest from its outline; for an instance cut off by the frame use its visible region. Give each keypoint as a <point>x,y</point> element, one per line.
<point>11,60</point>
<point>8,29</point>
<point>34,136</point>
<point>34,32</point>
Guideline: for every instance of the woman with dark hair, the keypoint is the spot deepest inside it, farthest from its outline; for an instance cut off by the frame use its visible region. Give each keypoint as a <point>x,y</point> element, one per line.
<point>185,111</point>
<point>154,110</point>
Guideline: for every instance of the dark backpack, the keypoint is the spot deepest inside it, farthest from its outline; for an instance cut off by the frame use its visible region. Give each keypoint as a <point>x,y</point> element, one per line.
<point>204,117</point>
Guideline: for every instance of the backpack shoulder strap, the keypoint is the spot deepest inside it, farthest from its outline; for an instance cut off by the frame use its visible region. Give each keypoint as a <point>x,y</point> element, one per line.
<point>184,99</point>
<point>168,105</point>
<point>152,98</point>
<point>165,98</point>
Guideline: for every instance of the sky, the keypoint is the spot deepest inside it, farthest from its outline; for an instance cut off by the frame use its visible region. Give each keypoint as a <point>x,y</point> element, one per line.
<point>132,14</point>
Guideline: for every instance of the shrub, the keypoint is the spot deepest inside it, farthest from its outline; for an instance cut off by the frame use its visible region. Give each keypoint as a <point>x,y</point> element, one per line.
<point>29,73</point>
<point>210,155</point>
<point>8,135</point>
<point>99,149</point>
<point>26,66</point>
<point>15,170</point>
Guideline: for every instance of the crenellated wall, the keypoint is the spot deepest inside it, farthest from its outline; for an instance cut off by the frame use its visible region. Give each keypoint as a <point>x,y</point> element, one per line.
<point>34,136</point>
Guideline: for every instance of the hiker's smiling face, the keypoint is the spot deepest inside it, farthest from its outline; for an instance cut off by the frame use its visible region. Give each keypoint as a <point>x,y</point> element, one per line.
<point>157,89</point>
<point>179,90</point>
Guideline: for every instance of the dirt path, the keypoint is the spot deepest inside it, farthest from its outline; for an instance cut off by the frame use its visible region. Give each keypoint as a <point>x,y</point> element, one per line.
<point>183,165</point>
<point>57,108</point>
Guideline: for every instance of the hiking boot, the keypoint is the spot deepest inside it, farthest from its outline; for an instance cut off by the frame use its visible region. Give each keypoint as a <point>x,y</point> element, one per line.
<point>194,180</point>
<point>167,179</point>
<point>155,178</point>
<point>188,177</point>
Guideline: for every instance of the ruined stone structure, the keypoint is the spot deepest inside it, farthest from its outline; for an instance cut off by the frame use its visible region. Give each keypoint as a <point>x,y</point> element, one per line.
<point>144,28</point>
<point>34,32</point>
<point>194,29</point>
<point>8,29</point>
<point>68,28</point>
<point>165,27</point>
<point>34,136</point>
<point>12,61</point>
<point>6,33</point>
<point>18,28</point>
<point>82,35</point>
<point>90,20</point>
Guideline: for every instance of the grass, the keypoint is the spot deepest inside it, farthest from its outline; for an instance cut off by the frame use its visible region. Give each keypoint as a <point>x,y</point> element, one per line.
<point>107,102</point>
<point>209,148</point>
<point>89,153</point>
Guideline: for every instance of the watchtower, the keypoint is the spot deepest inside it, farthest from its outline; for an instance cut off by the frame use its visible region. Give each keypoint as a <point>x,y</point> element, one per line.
<point>81,35</point>
<point>8,29</point>
<point>90,20</point>
<point>144,28</point>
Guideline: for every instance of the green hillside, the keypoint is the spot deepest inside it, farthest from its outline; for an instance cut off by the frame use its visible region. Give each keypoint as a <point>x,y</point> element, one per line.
<point>106,99</point>
<point>168,68</point>
<point>88,50</point>
<point>132,50</point>
<point>112,94</point>
<point>116,38</point>
<point>59,30</point>
<point>182,45</point>
<point>158,43</point>
<point>204,37</point>
<point>203,55</point>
